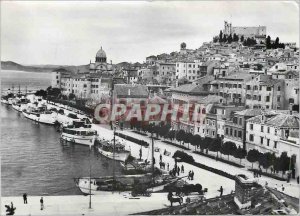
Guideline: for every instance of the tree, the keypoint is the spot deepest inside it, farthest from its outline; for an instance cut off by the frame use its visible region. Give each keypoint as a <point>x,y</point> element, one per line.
<point>229,40</point>
<point>235,37</point>
<point>268,42</point>
<point>180,135</point>
<point>41,93</point>
<point>221,36</point>
<point>188,138</point>
<point>240,153</point>
<point>54,92</point>
<point>252,156</point>
<point>265,160</point>
<point>72,96</point>
<point>224,38</point>
<point>195,140</point>
<point>242,38</point>
<point>228,148</point>
<point>215,146</point>
<point>284,162</point>
<point>171,134</point>
<point>276,44</point>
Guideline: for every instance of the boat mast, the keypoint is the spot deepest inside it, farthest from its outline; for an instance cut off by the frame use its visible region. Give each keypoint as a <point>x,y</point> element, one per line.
<point>90,202</point>
<point>152,157</point>
<point>114,157</point>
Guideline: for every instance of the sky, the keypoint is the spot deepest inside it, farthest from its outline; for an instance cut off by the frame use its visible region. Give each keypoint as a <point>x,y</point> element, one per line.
<point>70,33</point>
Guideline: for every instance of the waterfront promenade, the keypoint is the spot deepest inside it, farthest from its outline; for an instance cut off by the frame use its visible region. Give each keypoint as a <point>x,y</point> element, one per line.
<point>105,204</point>
<point>291,189</point>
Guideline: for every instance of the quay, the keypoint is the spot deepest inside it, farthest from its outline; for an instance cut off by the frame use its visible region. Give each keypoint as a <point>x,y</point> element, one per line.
<point>107,203</point>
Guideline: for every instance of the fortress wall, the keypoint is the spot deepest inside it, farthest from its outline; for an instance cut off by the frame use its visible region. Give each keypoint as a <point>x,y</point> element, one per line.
<point>249,31</point>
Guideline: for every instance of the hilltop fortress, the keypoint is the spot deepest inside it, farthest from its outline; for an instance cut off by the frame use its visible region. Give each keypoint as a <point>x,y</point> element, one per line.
<point>247,32</point>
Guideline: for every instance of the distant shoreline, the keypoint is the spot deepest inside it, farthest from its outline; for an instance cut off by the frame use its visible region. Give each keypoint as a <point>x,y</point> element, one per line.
<point>15,71</point>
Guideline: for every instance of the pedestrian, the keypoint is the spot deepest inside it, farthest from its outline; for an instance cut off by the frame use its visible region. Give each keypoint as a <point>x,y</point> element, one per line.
<point>153,161</point>
<point>42,203</point>
<point>254,174</point>
<point>178,171</point>
<point>298,179</point>
<point>272,169</point>
<point>260,171</point>
<point>141,153</point>
<point>165,152</point>
<point>182,168</point>
<point>160,157</point>
<point>282,188</point>
<point>192,175</point>
<point>168,166</point>
<point>189,176</point>
<point>25,198</point>
<point>221,191</point>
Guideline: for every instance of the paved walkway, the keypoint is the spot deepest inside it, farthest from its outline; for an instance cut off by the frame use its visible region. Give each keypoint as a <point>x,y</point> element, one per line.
<point>291,189</point>
<point>106,204</point>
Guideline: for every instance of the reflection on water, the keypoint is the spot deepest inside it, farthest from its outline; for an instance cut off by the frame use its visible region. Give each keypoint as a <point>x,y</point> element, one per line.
<point>34,161</point>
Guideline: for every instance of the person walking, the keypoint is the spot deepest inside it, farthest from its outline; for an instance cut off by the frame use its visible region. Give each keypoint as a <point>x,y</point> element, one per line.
<point>168,166</point>
<point>298,179</point>
<point>25,198</point>
<point>160,158</point>
<point>192,175</point>
<point>182,168</point>
<point>189,176</point>
<point>178,170</point>
<point>42,203</point>
<point>141,153</point>
<point>221,191</point>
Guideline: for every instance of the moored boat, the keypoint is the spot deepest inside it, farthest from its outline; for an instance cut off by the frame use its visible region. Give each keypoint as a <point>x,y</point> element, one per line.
<point>79,133</point>
<point>40,115</point>
<point>106,148</point>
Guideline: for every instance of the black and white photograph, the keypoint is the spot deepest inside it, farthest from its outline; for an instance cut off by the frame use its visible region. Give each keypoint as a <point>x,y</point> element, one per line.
<point>149,108</point>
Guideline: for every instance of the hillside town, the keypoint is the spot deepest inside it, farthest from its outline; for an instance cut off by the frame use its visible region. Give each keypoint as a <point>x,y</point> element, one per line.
<point>243,86</point>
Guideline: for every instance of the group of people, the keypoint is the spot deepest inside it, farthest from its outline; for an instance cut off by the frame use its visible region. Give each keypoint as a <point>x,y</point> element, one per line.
<point>191,175</point>
<point>176,170</point>
<point>257,174</point>
<point>41,200</point>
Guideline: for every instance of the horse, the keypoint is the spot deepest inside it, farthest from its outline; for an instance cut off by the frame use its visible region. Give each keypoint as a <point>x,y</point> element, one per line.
<point>175,199</point>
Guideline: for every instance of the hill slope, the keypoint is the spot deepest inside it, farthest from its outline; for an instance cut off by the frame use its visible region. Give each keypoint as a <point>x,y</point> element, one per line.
<point>10,65</point>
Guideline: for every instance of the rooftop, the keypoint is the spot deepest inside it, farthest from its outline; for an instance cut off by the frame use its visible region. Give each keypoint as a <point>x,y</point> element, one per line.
<point>131,91</point>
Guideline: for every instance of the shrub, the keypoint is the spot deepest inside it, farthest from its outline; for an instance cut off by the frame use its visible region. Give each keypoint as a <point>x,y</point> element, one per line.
<point>183,156</point>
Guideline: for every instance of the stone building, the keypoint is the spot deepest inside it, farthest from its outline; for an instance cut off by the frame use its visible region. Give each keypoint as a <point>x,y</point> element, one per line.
<point>257,32</point>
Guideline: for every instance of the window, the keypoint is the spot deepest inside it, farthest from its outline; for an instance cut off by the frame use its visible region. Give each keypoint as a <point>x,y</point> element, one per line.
<point>278,88</point>
<point>260,88</point>
<point>230,131</point>
<point>268,88</point>
<point>259,98</point>
<point>226,131</point>
<point>240,86</point>
<point>261,140</point>
<point>275,132</point>
<point>268,129</point>
<point>291,100</point>
<point>278,98</point>
<point>251,126</point>
<point>240,121</point>
<point>251,137</point>
<point>235,133</point>
<point>268,142</point>
<point>261,128</point>
<point>268,99</point>
<point>240,134</point>
<point>248,87</point>
<point>275,144</point>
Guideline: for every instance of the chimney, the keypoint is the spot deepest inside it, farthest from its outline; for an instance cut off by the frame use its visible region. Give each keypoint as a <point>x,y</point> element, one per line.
<point>128,92</point>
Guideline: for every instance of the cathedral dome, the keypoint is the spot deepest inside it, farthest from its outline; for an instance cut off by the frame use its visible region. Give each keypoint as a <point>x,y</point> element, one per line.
<point>101,56</point>
<point>101,53</point>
